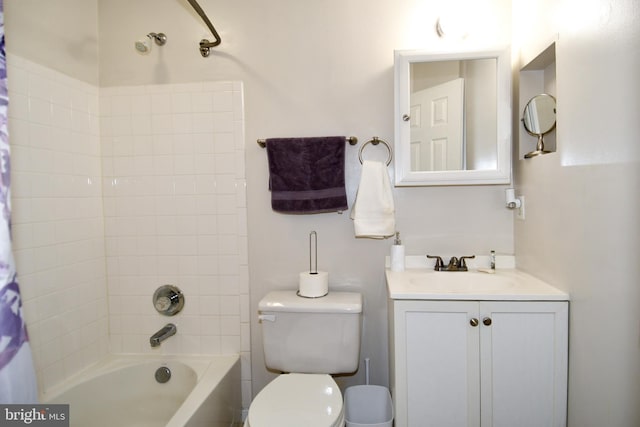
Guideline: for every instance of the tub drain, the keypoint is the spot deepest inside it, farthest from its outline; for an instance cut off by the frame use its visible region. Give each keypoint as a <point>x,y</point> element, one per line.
<point>163,374</point>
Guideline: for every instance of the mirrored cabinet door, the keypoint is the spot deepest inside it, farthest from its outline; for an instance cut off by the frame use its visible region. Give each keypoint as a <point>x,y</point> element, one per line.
<point>452,117</point>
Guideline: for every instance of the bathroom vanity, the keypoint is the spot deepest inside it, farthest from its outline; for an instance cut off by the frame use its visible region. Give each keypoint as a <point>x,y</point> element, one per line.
<point>477,349</point>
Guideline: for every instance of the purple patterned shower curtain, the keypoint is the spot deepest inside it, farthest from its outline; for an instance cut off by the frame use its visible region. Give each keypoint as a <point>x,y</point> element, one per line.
<point>17,375</point>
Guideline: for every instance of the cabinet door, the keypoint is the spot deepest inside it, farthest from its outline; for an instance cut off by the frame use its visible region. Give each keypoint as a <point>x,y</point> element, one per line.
<point>436,364</point>
<point>523,355</point>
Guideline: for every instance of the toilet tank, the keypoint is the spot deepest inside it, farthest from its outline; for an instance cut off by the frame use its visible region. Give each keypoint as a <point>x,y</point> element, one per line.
<point>311,335</point>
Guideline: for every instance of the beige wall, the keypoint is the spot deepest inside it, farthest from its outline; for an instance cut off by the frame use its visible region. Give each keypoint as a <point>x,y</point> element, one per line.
<point>582,231</point>
<point>61,34</point>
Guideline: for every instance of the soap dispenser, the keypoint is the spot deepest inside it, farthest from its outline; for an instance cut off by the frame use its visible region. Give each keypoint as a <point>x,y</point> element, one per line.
<point>397,254</point>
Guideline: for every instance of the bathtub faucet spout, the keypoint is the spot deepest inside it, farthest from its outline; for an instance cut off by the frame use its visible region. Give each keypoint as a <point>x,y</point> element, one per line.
<point>164,333</point>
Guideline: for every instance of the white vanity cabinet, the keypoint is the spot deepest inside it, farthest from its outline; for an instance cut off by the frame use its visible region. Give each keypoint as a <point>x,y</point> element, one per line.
<point>463,363</point>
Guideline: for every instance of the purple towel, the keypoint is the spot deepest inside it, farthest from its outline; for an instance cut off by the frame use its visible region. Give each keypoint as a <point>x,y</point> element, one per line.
<point>306,175</point>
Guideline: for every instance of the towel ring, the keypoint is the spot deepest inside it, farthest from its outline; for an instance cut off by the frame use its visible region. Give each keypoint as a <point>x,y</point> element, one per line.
<point>375,141</point>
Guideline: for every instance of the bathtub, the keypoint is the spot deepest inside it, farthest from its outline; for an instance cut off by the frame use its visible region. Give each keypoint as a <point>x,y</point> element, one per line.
<point>122,391</point>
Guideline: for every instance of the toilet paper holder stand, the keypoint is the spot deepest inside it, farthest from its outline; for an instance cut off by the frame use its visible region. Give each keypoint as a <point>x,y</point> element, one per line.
<point>313,248</point>
<point>313,269</point>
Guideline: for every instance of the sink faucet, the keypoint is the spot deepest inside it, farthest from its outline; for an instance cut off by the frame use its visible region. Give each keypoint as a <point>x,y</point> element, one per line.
<point>455,264</point>
<point>164,333</point>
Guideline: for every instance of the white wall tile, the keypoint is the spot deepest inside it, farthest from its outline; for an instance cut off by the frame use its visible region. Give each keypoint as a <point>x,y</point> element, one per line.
<point>211,344</point>
<point>223,101</point>
<point>176,237</point>
<point>202,102</point>
<point>56,211</point>
<point>140,104</point>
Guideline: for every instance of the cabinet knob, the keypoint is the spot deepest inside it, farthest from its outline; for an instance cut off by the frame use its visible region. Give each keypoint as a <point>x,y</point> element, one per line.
<point>474,322</point>
<point>486,321</point>
<point>406,117</point>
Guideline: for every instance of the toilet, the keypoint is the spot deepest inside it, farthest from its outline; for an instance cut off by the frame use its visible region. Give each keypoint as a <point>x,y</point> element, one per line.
<point>307,339</point>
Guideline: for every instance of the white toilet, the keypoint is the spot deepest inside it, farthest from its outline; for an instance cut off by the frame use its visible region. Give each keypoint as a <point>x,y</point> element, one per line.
<point>308,338</point>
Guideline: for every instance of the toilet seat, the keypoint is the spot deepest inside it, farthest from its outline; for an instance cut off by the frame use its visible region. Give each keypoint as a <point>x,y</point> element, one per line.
<point>294,400</point>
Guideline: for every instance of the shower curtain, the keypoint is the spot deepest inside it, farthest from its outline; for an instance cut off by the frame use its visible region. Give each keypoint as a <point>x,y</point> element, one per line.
<point>17,375</point>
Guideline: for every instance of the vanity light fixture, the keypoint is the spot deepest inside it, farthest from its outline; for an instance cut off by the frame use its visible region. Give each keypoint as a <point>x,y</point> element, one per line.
<point>439,30</point>
<point>451,23</point>
<point>451,28</point>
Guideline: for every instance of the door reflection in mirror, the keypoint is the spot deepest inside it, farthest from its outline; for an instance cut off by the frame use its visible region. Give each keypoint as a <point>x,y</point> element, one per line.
<point>453,115</point>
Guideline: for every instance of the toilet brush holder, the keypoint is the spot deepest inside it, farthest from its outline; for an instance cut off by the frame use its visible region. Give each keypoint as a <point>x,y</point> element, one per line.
<point>368,405</point>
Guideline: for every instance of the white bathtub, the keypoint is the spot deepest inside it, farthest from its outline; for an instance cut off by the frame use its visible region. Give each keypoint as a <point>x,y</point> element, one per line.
<point>122,391</point>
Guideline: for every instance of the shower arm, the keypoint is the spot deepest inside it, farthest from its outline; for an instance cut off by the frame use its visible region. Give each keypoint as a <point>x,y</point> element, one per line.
<point>205,44</point>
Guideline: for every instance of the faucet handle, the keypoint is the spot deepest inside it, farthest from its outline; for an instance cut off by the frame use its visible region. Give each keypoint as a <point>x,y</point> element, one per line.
<point>462,263</point>
<point>439,264</point>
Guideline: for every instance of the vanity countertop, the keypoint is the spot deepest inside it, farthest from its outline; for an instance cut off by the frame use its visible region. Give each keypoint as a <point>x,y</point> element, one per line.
<point>505,284</point>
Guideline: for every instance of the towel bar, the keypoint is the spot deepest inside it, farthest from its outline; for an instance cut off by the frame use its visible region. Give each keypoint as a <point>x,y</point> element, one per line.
<point>351,139</point>
<point>375,141</point>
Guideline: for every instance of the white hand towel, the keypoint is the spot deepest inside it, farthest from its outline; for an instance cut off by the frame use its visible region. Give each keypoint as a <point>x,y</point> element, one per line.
<point>373,212</point>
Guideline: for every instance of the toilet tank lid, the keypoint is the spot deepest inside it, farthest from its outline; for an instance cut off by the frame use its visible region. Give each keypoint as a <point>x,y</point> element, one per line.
<point>333,302</point>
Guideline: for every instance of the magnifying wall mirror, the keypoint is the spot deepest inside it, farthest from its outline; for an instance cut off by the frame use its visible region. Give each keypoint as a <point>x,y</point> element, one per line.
<point>539,118</point>
<point>453,117</point>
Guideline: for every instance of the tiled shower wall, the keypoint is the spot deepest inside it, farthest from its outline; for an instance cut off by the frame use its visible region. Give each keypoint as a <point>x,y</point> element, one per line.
<point>175,213</point>
<point>57,220</point>
<point>109,206</point>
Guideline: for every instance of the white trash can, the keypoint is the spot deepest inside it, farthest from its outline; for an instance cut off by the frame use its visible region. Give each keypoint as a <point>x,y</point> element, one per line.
<point>368,406</point>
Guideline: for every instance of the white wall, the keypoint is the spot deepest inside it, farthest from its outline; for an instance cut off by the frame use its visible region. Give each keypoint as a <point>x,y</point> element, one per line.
<point>581,231</point>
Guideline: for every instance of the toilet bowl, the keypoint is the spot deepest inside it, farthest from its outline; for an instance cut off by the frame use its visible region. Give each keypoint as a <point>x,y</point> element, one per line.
<point>295,400</point>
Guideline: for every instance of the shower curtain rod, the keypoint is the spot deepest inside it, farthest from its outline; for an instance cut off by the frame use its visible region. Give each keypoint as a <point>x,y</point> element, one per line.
<point>205,45</point>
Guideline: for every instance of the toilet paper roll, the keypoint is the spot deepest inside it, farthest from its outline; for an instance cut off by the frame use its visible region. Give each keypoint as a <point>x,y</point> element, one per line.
<point>313,285</point>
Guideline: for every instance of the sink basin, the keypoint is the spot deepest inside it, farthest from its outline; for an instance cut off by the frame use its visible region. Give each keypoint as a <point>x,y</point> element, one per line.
<point>462,281</point>
<point>507,284</point>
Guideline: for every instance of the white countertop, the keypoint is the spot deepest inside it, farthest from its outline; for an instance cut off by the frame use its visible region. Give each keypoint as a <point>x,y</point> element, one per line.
<point>505,284</point>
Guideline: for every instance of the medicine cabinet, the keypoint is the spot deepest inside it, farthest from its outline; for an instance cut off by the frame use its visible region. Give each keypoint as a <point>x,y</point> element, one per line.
<point>452,117</point>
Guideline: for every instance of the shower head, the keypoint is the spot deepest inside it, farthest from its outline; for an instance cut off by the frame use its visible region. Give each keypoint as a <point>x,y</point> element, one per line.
<point>143,46</point>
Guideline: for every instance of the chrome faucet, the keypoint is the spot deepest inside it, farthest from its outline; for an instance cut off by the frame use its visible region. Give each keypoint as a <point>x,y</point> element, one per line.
<point>164,333</point>
<point>455,264</point>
